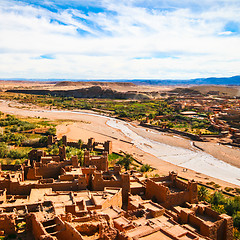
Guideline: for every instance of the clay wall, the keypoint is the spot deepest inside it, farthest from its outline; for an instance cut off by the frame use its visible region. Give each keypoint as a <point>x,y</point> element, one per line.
<point>67,177</point>
<point>108,147</point>
<point>194,221</point>
<point>98,184</point>
<point>114,201</point>
<point>162,194</point>
<point>160,179</point>
<point>210,212</point>
<point>180,184</point>
<point>38,230</point>
<point>62,153</point>
<point>227,230</point>
<point>74,161</point>
<point>101,162</point>
<point>31,174</point>
<point>4,184</point>
<point>66,231</point>
<point>9,167</point>
<point>82,182</point>
<point>3,196</point>
<point>138,190</point>
<point>49,171</point>
<point>174,199</point>
<point>220,229</point>
<point>88,172</point>
<point>73,144</point>
<point>15,188</point>
<point>7,223</point>
<point>59,186</point>
<point>156,190</point>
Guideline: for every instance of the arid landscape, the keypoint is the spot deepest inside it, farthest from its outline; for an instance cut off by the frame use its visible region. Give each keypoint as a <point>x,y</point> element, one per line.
<point>183,139</point>
<point>119,120</point>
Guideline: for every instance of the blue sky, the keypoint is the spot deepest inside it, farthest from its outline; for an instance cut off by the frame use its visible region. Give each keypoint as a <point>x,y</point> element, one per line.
<point>127,39</point>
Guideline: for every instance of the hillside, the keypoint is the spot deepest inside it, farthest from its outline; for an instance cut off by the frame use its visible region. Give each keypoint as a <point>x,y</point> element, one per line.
<point>91,92</point>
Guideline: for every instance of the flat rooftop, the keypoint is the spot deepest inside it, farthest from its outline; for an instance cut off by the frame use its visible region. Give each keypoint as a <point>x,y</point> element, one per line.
<point>156,235</point>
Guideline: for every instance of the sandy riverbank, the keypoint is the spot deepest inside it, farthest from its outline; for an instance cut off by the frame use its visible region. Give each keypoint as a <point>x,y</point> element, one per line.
<point>82,126</point>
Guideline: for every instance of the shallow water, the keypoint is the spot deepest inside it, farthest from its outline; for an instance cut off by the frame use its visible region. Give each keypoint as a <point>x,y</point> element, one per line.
<point>196,160</point>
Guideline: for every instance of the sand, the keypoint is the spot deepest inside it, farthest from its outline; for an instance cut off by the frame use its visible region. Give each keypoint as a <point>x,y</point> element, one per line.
<point>82,125</point>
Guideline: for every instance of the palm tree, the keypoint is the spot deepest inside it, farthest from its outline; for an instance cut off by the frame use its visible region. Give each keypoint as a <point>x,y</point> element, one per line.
<point>202,193</point>
<point>126,161</point>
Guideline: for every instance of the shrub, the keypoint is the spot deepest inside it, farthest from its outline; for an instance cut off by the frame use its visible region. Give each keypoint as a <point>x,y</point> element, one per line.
<point>236,220</point>
<point>217,198</point>
<point>232,206</point>
<point>3,149</point>
<point>51,131</point>
<point>72,151</point>
<point>43,141</point>
<point>228,189</point>
<point>17,154</point>
<point>145,168</point>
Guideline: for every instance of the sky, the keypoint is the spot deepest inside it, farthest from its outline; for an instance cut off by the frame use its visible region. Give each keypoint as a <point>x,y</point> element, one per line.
<point>119,39</point>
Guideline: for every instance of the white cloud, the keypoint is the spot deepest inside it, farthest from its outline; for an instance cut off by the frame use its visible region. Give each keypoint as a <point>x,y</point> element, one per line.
<point>135,42</point>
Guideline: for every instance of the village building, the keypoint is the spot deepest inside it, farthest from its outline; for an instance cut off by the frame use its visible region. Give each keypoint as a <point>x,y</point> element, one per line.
<point>56,198</point>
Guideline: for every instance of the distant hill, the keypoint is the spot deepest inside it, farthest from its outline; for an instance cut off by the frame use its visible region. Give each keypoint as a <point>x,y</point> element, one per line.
<point>230,81</point>
<point>93,83</point>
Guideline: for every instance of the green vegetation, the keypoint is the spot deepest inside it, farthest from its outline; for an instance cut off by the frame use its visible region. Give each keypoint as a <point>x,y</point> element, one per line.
<point>132,110</point>
<point>126,161</point>
<point>72,151</point>
<point>202,193</point>
<point>15,138</point>
<point>113,158</point>
<point>223,204</point>
<point>145,168</point>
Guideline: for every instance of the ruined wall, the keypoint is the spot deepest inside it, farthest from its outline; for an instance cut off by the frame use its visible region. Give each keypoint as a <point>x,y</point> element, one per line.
<point>218,227</point>
<point>115,201</point>
<point>3,196</point>
<point>7,223</point>
<point>162,194</point>
<point>9,167</point>
<point>37,228</point>
<point>66,231</point>
<point>98,184</point>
